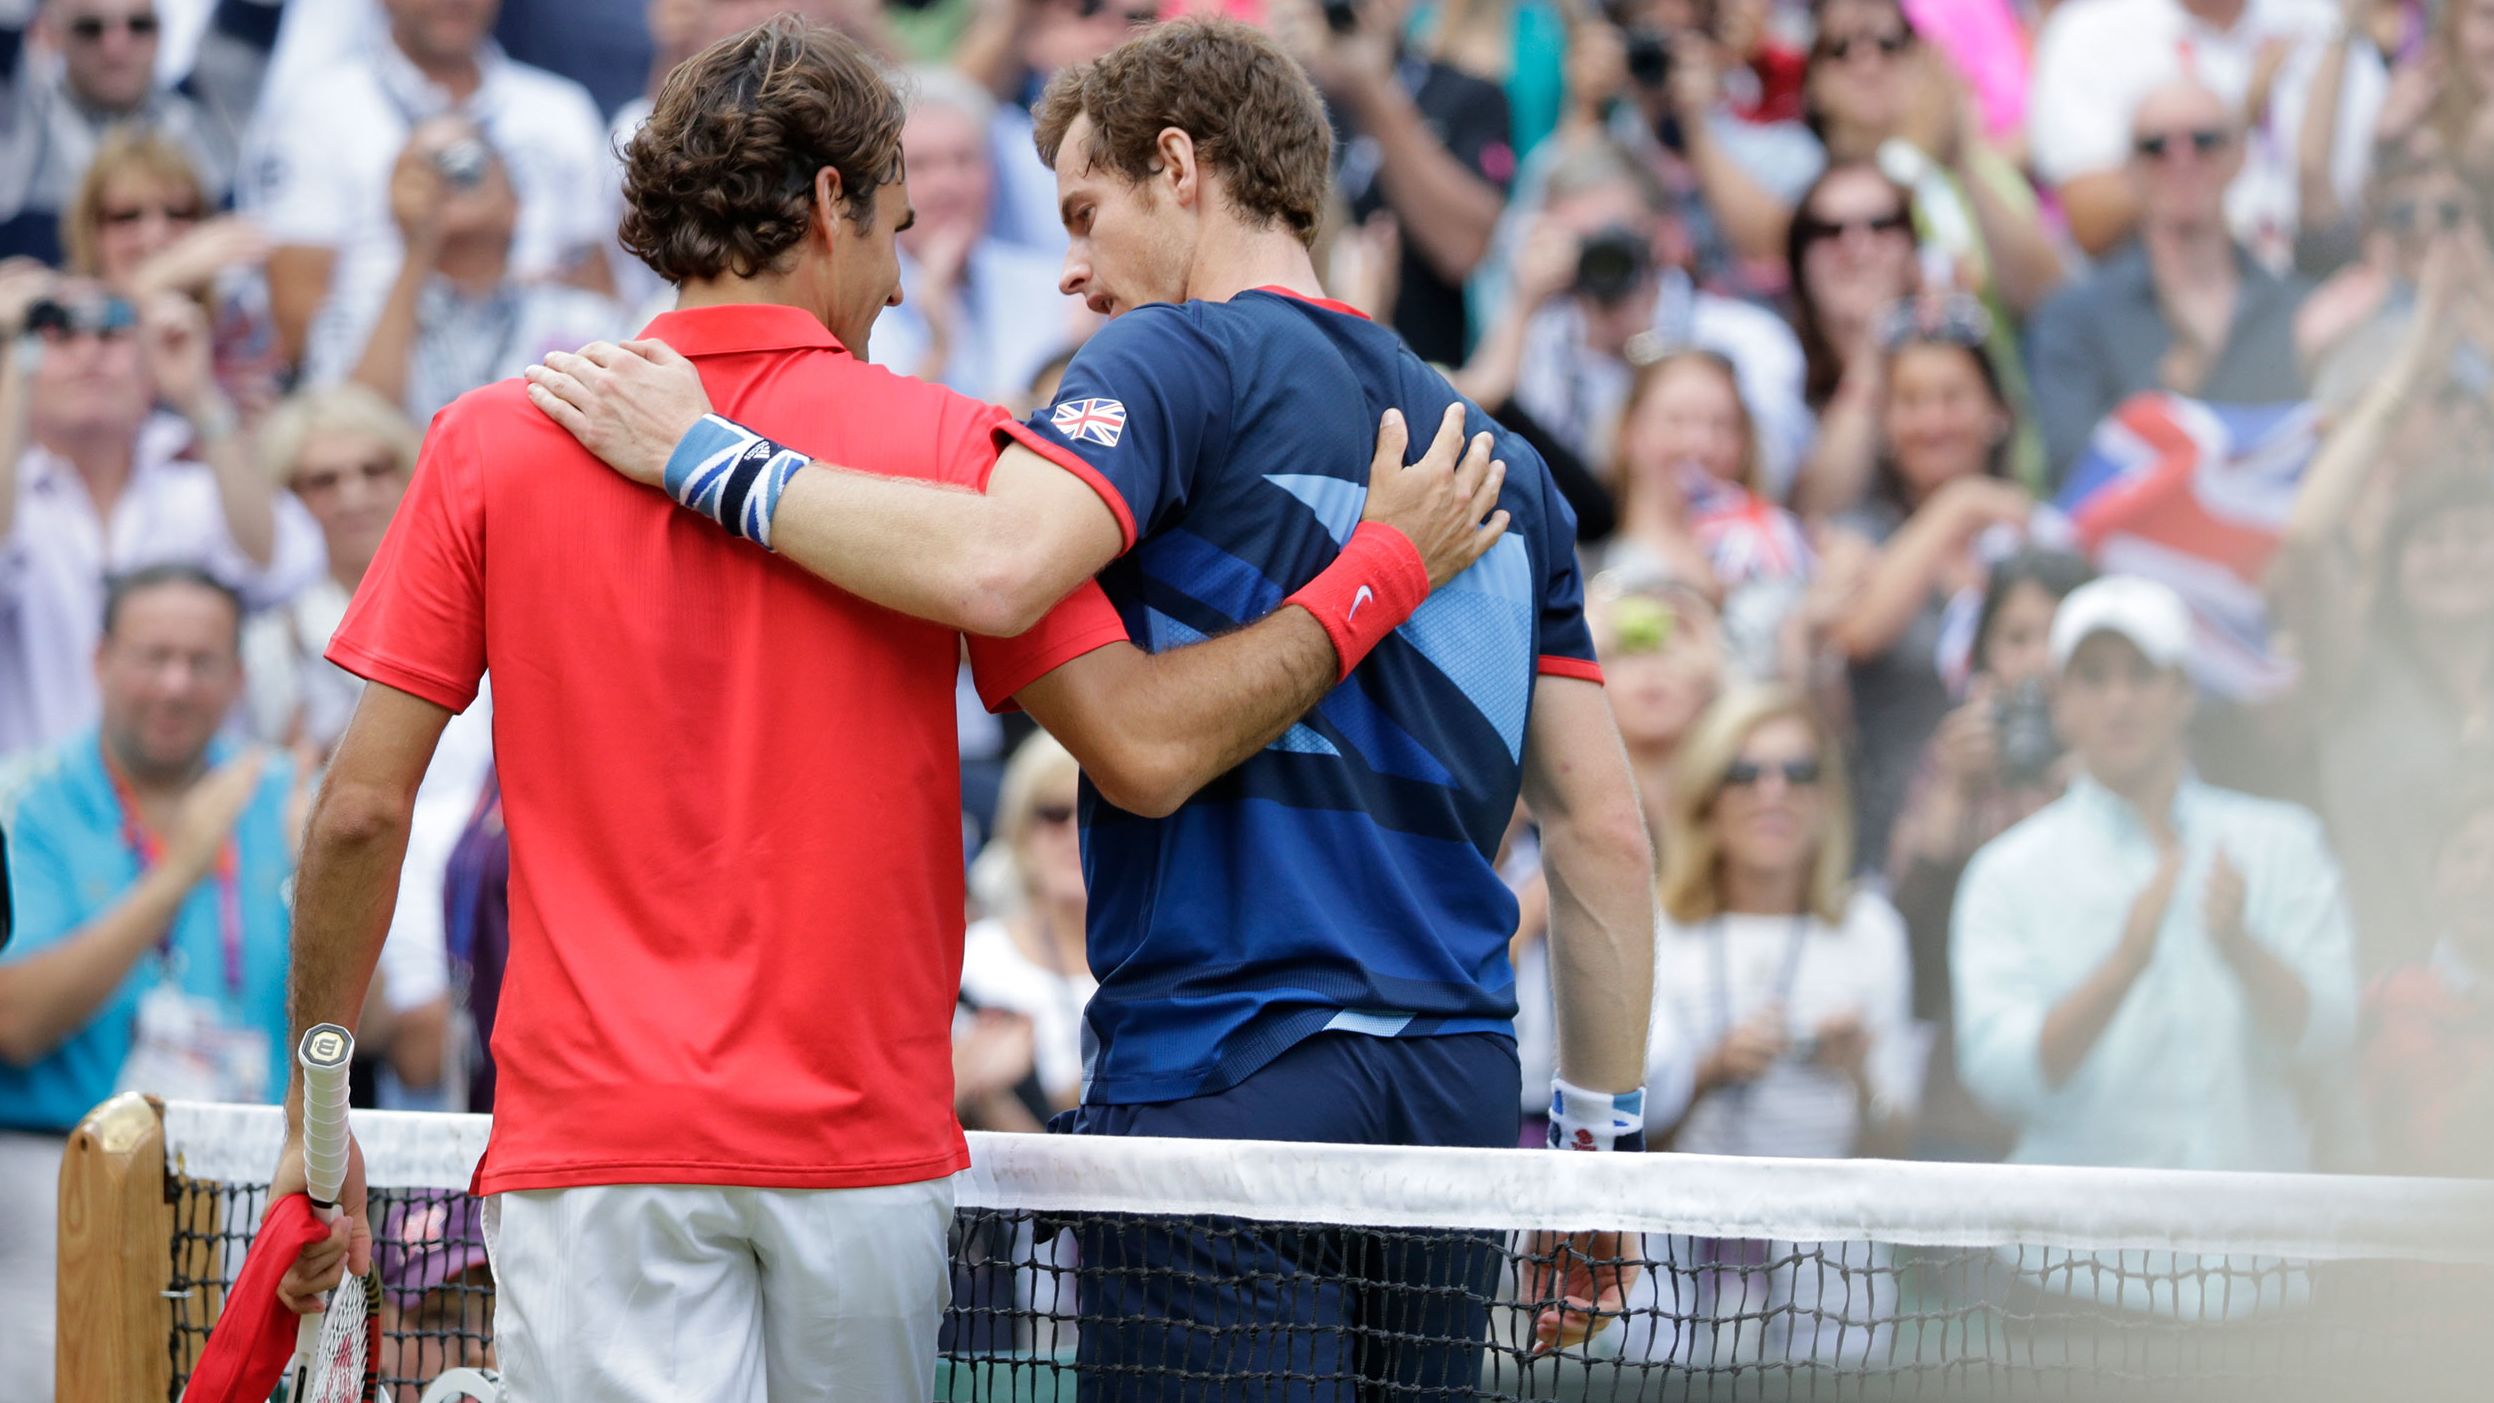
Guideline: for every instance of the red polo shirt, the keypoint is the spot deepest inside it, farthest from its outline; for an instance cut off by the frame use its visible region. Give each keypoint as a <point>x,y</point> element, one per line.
<point>732,790</point>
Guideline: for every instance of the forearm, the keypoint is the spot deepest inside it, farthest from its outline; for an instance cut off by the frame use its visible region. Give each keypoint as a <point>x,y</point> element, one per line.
<point>2280,1004</point>
<point>2347,456</point>
<point>383,365</point>
<point>244,493</point>
<point>1601,876</point>
<point>1753,220</point>
<point>2025,268</point>
<point>2100,209</point>
<point>1446,211</point>
<point>1899,582</point>
<point>50,995</point>
<point>344,893</point>
<point>2074,1024</point>
<point>1841,461</point>
<point>2316,194</point>
<point>298,282</point>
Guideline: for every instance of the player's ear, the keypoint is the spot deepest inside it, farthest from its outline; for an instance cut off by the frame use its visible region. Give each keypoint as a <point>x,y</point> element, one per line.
<point>1178,167</point>
<point>827,200</point>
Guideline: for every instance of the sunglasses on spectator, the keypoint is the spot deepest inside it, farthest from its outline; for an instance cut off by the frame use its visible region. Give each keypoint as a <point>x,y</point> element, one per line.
<point>1053,815</point>
<point>107,317</point>
<point>370,472</point>
<point>1889,45</point>
<point>90,28</point>
<point>2206,141</point>
<point>2409,216</point>
<point>1800,774</point>
<point>1814,228</point>
<point>132,214</point>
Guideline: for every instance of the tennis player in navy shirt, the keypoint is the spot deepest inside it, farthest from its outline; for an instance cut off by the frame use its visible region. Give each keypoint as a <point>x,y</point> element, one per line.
<point>1313,946</point>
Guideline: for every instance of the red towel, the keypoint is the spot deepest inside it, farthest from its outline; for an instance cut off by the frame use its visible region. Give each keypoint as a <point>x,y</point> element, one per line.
<point>253,1339</point>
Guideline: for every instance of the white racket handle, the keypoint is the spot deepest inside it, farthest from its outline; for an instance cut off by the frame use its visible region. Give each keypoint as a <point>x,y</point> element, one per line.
<point>325,1052</point>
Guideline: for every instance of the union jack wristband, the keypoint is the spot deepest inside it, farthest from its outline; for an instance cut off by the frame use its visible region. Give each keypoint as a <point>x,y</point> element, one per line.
<point>1596,1120</point>
<point>731,475</point>
<point>1367,593</point>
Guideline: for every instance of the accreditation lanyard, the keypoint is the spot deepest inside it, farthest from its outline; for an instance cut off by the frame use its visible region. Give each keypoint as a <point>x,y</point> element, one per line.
<point>149,850</point>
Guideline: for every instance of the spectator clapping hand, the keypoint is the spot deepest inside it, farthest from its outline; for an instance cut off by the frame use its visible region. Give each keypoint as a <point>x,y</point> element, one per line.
<point>193,262</point>
<point>173,335</point>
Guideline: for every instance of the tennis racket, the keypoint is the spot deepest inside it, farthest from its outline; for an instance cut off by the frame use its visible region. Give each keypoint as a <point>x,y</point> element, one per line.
<point>465,1386</point>
<point>337,1351</point>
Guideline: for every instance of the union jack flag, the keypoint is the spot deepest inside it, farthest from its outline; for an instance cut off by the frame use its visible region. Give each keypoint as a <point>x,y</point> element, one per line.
<point>2196,495</point>
<point>1099,421</point>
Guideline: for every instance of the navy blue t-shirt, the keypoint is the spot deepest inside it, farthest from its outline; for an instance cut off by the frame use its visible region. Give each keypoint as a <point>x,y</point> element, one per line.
<point>1342,877</point>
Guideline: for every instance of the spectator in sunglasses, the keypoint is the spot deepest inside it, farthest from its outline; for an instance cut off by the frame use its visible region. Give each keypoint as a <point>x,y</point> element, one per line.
<point>2354,322</point>
<point>106,484</point>
<point>2149,971</point>
<point>1027,958</point>
<point>2096,63</point>
<point>2184,308</point>
<point>143,223</point>
<point>1781,990</point>
<point>52,125</point>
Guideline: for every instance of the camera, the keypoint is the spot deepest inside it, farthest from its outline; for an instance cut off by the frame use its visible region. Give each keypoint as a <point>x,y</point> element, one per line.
<point>1342,16</point>
<point>1649,56</point>
<point>2028,745</point>
<point>1612,263</point>
<point>463,163</point>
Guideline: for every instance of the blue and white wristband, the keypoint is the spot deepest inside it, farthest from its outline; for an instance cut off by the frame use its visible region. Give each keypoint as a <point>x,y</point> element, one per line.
<point>1596,1120</point>
<point>731,475</point>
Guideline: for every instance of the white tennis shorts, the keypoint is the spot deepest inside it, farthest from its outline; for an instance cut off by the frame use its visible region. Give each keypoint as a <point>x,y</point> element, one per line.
<point>669,1293</point>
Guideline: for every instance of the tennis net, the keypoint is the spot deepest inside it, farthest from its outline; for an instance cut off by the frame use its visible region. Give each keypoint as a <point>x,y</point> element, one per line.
<point>1165,1269</point>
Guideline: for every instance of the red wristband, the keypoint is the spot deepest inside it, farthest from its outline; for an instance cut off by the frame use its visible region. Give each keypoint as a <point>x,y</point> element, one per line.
<point>1367,593</point>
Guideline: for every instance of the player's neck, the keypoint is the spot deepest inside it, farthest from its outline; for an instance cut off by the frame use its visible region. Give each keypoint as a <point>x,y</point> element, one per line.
<point>1237,257</point>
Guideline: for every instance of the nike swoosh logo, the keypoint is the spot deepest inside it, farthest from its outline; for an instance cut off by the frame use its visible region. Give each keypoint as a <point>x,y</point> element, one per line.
<point>1357,600</point>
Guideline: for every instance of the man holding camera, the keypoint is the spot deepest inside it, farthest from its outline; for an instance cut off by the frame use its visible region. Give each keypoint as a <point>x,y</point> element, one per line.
<point>94,482</point>
<point>1423,145</point>
<point>455,317</point>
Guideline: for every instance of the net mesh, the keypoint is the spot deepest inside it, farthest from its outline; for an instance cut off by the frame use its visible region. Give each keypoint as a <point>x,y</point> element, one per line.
<point>1178,1270</point>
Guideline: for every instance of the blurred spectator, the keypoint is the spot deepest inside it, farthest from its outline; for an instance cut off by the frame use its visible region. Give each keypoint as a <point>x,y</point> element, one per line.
<point>105,485</point>
<point>977,313</point>
<point>346,454</point>
<point>51,123</point>
<point>437,1290</point>
<point>2429,1026</point>
<point>1878,93</point>
<point>1939,500</point>
<point>1851,257</point>
<point>1662,665</point>
<point>1422,145</point>
<point>2185,308</point>
<point>2149,970</point>
<point>141,223</point>
<point>2463,109</point>
<point>1991,762</point>
<point>2096,63</point>
<point>476,906</point>
<point>148,864</point>
<point>2354,323</point>
<point>328,156</point>
<point>457,316</point>
<point>1011,48</point>
<point>1602,282</point>
<point>2371,92</point>
<point>1028,957</point>
<point>1692,505</point>
<point>1781,1020</point>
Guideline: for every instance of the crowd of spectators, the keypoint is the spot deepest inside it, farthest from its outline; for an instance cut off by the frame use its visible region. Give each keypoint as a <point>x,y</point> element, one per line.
<point>1860,334</point>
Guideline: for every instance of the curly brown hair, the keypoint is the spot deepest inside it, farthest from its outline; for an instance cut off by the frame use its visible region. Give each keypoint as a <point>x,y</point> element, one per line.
<point>720,180</point>
<point>1254,116</point>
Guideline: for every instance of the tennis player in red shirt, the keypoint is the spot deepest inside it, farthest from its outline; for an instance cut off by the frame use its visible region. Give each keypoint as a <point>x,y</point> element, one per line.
<point>723,1132</point>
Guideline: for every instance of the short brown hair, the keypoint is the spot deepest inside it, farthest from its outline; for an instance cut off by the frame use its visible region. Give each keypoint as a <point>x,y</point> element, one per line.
<point>1250,109</point>
<point>721,178</point>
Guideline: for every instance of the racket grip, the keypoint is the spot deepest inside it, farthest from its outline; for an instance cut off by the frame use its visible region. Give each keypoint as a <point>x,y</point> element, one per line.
<point>325,1051</point>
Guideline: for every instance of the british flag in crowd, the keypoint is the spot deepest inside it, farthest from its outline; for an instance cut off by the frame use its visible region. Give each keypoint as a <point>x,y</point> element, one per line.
<point>2197,495</point>
<point>1097,421</point>
<point>1745,536</point>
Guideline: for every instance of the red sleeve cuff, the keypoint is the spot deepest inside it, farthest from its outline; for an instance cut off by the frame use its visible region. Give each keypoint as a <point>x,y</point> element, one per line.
<point>1583,669</point>
<point>1072,462</point>
<point>428,686</point>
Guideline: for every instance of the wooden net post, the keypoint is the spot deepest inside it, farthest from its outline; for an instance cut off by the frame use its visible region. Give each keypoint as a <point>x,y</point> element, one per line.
<point>116,1225</point>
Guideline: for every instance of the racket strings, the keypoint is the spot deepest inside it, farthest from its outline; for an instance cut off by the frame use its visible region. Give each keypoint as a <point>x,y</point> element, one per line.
<point>343,1360</point>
